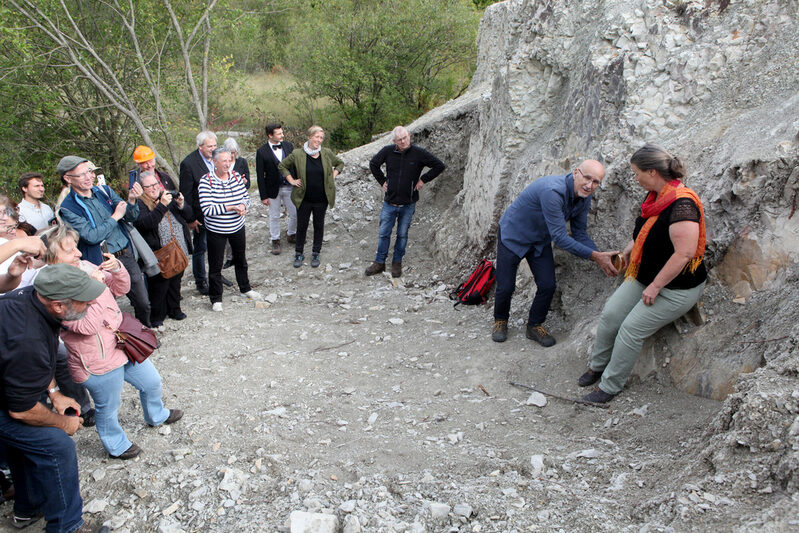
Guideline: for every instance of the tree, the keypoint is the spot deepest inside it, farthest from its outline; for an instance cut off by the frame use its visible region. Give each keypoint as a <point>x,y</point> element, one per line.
<point>381,61</point>
<point>139,57</point>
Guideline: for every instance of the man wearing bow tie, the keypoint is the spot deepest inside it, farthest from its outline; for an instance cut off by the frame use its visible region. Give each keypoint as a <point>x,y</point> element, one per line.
<point>273,186</point>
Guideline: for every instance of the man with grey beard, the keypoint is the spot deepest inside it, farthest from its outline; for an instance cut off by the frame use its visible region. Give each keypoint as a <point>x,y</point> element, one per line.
<point>40,452</point>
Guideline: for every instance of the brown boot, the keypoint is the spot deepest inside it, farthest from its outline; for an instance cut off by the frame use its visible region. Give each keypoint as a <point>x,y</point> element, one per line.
<point>276,247</point>
<point>291,238</point>
<point>375,268</point>
<point>396,270</point>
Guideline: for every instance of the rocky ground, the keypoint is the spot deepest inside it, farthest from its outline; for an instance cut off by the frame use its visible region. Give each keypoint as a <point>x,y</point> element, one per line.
<point>374,401</point>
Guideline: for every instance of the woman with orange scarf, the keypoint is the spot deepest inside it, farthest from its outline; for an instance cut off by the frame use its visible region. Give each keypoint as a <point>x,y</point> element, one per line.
<point>665,274</point>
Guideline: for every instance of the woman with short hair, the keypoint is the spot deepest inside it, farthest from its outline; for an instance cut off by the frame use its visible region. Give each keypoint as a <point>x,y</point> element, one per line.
<point>665,273</point>
<point>312,172</point>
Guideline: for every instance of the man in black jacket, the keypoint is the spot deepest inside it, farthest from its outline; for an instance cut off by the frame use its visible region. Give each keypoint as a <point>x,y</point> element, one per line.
<point>40,452</point>
<point>273,186</point>
<point>401,182</point>
<point>196,165</point>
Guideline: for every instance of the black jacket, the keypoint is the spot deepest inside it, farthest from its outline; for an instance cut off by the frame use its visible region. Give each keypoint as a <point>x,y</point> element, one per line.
<point>148,221</point>
<point>403,170</point>
<point>242,167</point>
<point>269,177</point>
<point>192,169</point>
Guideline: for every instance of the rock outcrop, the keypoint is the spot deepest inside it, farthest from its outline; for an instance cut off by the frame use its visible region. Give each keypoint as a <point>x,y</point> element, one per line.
<point>715,82</point>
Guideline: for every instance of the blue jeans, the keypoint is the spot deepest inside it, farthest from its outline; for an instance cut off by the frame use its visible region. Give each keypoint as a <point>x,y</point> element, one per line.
<point>402,215</point>
<point>106,391</point>
<point>44,466</point>
<point>198,255</point>
<point>543,269</point>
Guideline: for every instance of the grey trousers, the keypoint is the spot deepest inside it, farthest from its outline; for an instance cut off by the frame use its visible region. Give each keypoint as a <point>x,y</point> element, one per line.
<point>626,322</point>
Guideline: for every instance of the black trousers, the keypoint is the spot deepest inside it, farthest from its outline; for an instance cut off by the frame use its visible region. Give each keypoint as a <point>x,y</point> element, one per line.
<point>303,217</point>
<point>216,258</point>
<point>164,296</point>
<point>138,291</point>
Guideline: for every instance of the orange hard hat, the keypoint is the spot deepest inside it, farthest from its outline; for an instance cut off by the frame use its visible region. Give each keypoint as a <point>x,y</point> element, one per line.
<point>143,153</point>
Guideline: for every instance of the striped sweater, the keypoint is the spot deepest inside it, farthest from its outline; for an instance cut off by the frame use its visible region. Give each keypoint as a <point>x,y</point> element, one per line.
<point>215,195</point>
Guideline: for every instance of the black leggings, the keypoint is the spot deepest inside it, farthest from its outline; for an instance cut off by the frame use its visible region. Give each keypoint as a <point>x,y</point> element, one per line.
<point>303,217</point>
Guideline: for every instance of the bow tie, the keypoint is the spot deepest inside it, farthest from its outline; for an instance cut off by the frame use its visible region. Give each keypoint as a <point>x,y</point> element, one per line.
<point>277,147</point>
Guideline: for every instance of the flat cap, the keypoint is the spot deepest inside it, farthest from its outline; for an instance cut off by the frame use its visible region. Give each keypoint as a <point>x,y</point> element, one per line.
<point>61,281</point>
<point>69,162</point>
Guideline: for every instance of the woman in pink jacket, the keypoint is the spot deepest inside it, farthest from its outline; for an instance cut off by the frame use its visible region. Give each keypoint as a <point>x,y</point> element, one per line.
<point>93,357</point>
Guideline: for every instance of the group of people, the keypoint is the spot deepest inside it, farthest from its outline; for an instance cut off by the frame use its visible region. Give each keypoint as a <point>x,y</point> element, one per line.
<point>663,263</point>
<point>58,342</point>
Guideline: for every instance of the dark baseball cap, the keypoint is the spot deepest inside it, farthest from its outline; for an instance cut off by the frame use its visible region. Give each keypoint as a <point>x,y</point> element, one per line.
<point>62,281</point>
<point>69,162</point>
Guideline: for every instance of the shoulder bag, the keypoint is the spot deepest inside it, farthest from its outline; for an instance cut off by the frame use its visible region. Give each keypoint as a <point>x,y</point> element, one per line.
<point>171,258</point>
<point>135,339</point>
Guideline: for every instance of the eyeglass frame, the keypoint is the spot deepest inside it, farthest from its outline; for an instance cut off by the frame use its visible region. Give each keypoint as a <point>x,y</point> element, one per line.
<point>595,182</point>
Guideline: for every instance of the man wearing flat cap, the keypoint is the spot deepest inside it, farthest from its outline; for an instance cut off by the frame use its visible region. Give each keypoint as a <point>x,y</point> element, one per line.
<point>41,454</point>
<point>99,215</point>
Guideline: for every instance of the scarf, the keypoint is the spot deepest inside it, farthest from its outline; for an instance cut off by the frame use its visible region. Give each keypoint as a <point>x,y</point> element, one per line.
<point>309,151</point>
<point>149,202</point>
<point>650,209</point>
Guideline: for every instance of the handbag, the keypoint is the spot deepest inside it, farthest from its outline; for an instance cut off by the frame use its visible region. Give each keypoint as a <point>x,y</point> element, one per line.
<point>171,258</point>
<point>135,339</point>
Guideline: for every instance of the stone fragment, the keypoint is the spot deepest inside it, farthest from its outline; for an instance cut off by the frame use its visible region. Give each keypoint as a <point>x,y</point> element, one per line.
<point>439,511</point>
<point>590,453</point>
<point>233,482</point>
<point>537,463</point>
<point>302,522</point>
<point>271,297</point>
<point>278,411</point>
<point>352,525</point>
<point>372,419</point>
<point>172,508</point>
<point>537,399</point>
<point>396,321</point>
<point>641,411</point>
<point>95,506</point>
<point>347,506</point>
<point>98,474</point>
<point>169,525</point>
<point>463,509</point>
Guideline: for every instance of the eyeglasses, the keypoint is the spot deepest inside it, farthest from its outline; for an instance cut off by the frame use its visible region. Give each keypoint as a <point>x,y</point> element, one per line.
<point>149,186</point>
<point>595,182</point>
<point>81,175</point>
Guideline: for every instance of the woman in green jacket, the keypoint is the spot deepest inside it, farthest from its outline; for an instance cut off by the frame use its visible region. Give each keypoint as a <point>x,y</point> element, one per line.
<point>312,171</point>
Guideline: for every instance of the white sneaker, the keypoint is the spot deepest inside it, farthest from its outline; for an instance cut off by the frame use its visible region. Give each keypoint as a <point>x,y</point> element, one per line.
<point>255,295</point>
<point>217,306</point>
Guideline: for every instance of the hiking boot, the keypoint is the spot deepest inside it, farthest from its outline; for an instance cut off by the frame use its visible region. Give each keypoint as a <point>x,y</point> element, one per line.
<point>590,377</point>
<point>298,260</point>
<point>89,418</point>
<point>396,270</point>
<point>226,282</point>
<point>291,238</point>
<point>174,416</point>
<point>375,268</point>
<point>276,247</point>
<point>500,332</point>
<point>21,521</point>
<point>539,334</point>
<point>315,262</point>
<point>598,396</point>
<point>130,453</point>
<point>92,528</point>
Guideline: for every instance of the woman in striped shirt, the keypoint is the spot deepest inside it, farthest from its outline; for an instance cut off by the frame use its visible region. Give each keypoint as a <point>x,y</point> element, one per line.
<point>224,201</point>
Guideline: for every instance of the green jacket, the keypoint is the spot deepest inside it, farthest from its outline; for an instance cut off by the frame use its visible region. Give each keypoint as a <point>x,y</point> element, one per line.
<point>294,166</point>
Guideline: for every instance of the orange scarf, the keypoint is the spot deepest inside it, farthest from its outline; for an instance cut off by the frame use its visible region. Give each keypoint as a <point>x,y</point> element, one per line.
<point>651,209</point>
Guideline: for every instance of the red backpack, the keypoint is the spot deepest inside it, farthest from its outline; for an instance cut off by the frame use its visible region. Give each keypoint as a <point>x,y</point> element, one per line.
<point>475,289</point>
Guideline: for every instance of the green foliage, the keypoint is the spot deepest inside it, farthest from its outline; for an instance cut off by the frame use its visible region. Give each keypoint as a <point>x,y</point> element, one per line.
<point>482,4</point>
<point>381,62</point>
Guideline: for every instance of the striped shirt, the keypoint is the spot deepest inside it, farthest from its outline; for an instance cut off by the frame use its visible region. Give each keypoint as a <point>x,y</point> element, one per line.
<point>215,195</point>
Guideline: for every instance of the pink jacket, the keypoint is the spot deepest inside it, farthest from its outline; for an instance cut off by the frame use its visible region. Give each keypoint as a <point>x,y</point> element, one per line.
<point>91,342</point>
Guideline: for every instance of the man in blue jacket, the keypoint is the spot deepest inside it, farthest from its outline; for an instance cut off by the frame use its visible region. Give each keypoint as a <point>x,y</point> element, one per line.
<point>527,229</point>
<point>401,182</point>
<point>99,215</point>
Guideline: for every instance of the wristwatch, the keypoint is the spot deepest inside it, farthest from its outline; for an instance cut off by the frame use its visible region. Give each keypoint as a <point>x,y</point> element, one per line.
<point>54,389</point>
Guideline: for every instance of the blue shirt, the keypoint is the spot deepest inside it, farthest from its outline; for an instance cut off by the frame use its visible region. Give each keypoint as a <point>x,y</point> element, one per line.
<point>538,217</point>
<point>93,222</point>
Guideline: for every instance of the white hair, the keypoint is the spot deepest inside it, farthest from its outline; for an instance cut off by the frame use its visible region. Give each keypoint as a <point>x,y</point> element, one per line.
<point>399,131</point>
<point>231,144</point>
<point>203,135</point>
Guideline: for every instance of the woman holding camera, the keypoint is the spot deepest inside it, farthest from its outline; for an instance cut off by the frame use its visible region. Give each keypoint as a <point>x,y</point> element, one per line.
<point>162,216</point>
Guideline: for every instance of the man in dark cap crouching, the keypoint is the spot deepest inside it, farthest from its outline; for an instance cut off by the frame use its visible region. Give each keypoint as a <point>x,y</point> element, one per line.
<point>41,454</point>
